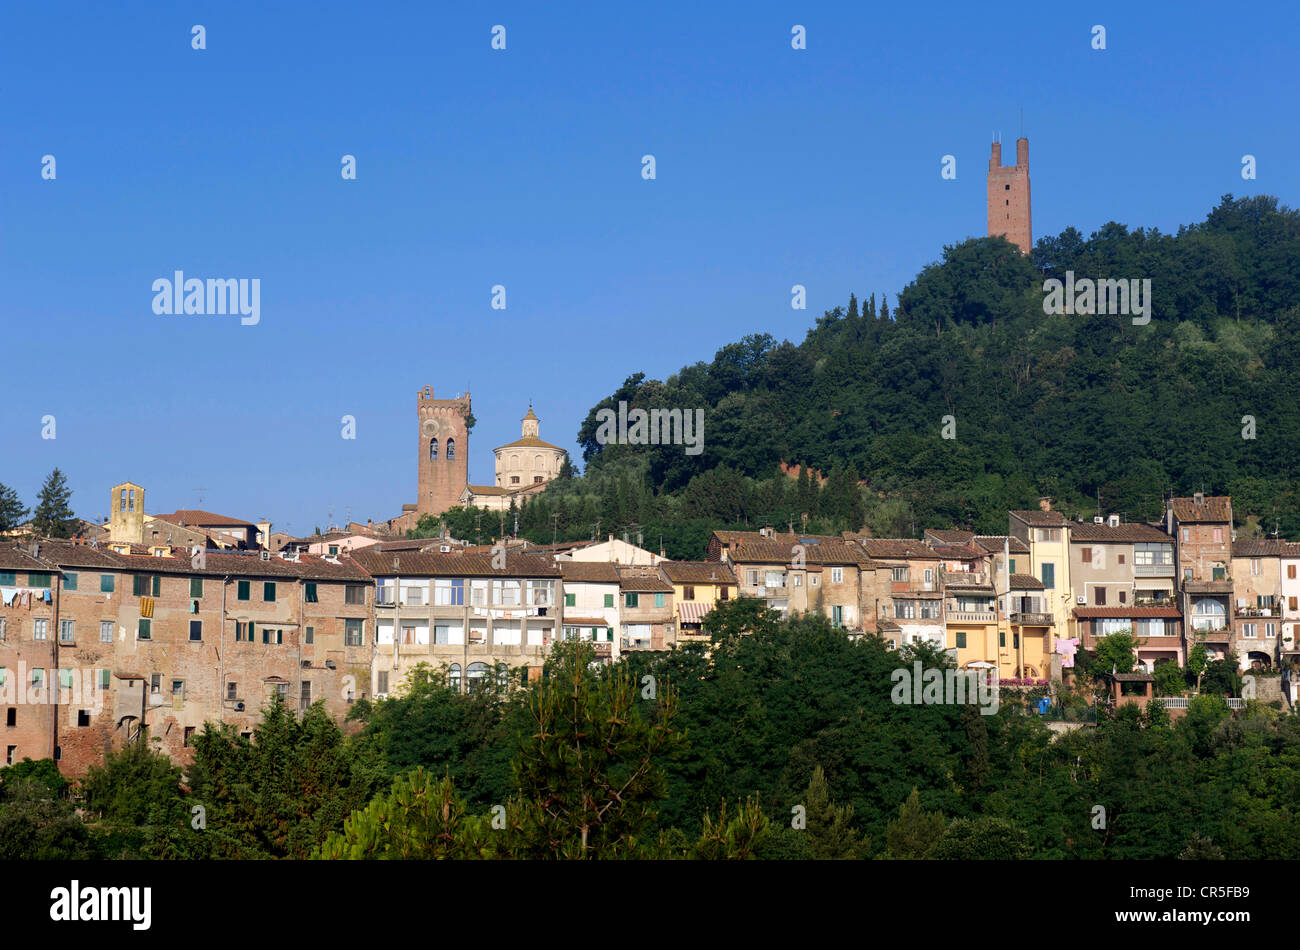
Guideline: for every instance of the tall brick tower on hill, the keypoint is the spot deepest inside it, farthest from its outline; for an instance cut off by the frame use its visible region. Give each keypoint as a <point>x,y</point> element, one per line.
<point>444,451</point>
<point>1009,196</point>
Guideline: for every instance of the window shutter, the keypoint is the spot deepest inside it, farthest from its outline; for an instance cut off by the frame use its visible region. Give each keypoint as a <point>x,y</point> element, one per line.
<point>157,585</point>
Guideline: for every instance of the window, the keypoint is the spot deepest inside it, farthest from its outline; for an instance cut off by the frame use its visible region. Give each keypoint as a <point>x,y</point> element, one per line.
<point>451,449</point>
<point>38,580</point>
<point>11,717</point>
<point>178,688</point>
<point>1187,534</point>
<point>1248,631</point>
<point>904,610</point>
<point>688,592</point>
<point>570,600</point>
<point>232,691</point>
<point>630,600</point>
<point>65,631</point>
<point>1123,597</point>
<point>1051,535</point>
<point>1049,576</point>
<point>143,584</point>
<point>9,754</point>
<point>189,734</point>
<point>837,616</point>
<point>196,587</point>
<point>1291,603</point>
<point>1218,535</point>
<point>8,579</point>
<point>660,600</point>
<point>1270,630</point>
<point>1087,555</point>
<point>242,590</point>
<point>1290,571</point>
<point>106,631</point>
<point>106,583</point>
<point>244,630</point>
<point>514,480</point>
<point>40,630</point>
<point>103,679</point>
<point>837,575</point>
<point>382,685</point>
<point>1255,566</point>
<point>353,633</point>
<point>155,683</point>
<point>537,480</point>
<point>1015,641</point>
<point>309,636</point>
<point>196,630</point>
<point>1002,638</point>
<point>796,580</point>
<point>268,591</point>
<point>816,580</point>
<point>69,581</point>
<point>272,636</point>
<point>354,593</point>
<point>304,694</point>
<point>1012,568</point>
<point>143,630</point>
<point>1101,597</point>
<point>899,574</point>
<point>609,600</point>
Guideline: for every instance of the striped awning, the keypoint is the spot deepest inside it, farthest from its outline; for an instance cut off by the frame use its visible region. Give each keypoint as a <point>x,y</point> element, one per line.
<point>689,611</point>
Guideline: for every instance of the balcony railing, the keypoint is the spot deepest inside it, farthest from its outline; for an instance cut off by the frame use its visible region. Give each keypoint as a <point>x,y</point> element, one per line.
<point>1154,570</point>
<point>1154,602</point>
<point>1028,618</point>
<point>1266,612</point>
<point>970,616</point>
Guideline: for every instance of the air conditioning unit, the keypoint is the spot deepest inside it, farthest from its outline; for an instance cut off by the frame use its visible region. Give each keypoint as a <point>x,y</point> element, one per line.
<point>1081,600</point>
<point>329,665</point>
<point>306,664</point>
<point>445,549</point>
<point>1098,519</point>
<point>239,706</point>
<point>265,554</point>
<point>381,695</point>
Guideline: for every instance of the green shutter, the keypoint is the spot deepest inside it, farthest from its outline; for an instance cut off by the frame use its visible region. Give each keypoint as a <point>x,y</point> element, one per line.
<point>8,579</point>
<point>106,583</point>
<point>69,581</point>
<point>157,585</point>
<point>196,587</point>
<point>250,631</point>
<point>609,600</point>
<point>570,600</point>
<point>242,592</point>
<point>268,590</point>
<point>137,585</point>
<point>142,630</point>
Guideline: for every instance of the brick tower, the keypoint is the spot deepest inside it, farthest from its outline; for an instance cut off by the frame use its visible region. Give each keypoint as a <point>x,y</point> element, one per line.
<point>1009,196</point>
<point>443,451</point>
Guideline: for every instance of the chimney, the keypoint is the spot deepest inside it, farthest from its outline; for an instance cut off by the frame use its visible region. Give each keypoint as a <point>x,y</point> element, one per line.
<point>1113,521</point>
<point>1199,498</point>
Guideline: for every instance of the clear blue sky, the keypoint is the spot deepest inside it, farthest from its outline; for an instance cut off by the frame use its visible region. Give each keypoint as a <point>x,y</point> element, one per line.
<point>522,168</point>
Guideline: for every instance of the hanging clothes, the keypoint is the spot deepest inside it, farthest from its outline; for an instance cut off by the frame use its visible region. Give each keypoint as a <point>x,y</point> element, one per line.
<point>8,595</point>
<point>49,599</point>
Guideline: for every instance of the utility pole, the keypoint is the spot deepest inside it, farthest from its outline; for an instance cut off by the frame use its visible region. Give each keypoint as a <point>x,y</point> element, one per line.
<point>200,491</point>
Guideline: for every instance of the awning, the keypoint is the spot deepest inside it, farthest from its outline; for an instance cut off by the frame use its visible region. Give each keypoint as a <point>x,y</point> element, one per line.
<point>689,611</point>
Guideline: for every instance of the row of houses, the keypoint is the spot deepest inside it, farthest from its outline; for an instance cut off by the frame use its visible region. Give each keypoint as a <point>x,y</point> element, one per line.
<point>101,640</point>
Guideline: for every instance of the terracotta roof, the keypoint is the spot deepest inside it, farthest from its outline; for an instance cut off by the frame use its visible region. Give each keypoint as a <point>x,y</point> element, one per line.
<point>67,554</point>
<point>958,552</point>
<point>750,547</point>
<point>951,536</point>
<point>1260,547</point>
<point>992,543</point>
<point>588,572</point>
<point>488,490</point>
<point>1126,612</point>
<point>697,572</point>
<point>15,558</point>
<point>1214,508</point>
<point>529,442</point>
<point>456,564</point>
<point>1040,518</point>
<point>203,519</point>
<point>898,549</point>
<point>643,582</point>
<point>585,621</point>
<point>1026,582</point>
<point>1122,533</point>
<point>1131,677</point>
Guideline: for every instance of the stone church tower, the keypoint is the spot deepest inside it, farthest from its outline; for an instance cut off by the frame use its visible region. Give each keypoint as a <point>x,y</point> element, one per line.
<point>1009,196</point>
<point>443,451</point>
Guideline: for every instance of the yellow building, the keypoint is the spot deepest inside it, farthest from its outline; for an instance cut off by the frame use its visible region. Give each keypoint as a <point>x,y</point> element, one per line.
<point>697,586</point>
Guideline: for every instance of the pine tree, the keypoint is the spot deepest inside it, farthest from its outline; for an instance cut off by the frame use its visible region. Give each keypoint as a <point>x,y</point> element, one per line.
<point>884,307</point>
<point>830,827</point>
<point>12,510</point>
<point>914,832</point>
<point>54,517</point>
<point>853,307</point>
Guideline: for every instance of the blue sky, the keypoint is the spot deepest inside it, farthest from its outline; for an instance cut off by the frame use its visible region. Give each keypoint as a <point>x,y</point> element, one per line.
<point>522,167</point>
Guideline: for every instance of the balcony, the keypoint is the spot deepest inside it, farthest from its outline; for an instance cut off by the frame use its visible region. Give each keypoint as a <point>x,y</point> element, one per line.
<point>971,616</point>
<point>1266,612</point>
<point>1154,602</point>
<point>1030,619</point>
<point>1208,587</point>
<point>968,579</point>
<point>913,587</point>
<point>1154,570</point>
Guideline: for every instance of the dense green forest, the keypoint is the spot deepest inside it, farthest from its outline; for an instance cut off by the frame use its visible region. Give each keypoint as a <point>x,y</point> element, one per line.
<point>1067,406</point>
<point>690,754</point>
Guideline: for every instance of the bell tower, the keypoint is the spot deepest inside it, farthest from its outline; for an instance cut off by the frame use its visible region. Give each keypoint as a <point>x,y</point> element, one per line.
<point>443,459</point>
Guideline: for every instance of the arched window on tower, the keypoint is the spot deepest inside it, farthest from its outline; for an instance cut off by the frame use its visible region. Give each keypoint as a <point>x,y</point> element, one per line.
<point>451,448</point>
<point>433,449</point>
